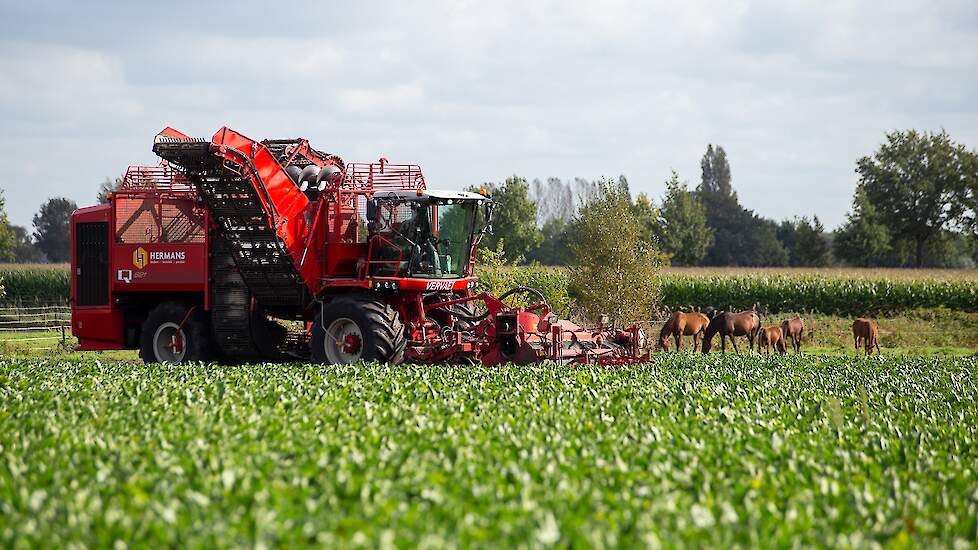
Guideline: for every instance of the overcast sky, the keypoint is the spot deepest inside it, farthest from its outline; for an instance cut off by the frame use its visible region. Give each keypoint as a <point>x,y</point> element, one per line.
<point>476,91</point>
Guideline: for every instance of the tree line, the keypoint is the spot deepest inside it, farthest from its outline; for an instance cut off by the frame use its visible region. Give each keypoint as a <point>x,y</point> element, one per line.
<point>48,241</point>
<point>914,206</point>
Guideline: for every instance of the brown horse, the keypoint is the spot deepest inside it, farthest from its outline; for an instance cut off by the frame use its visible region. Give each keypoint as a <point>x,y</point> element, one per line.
<point>683,324</point>
<point>793,329</point>
<point>745,323</point>
<point>866,331</point>
<point>769,337</point>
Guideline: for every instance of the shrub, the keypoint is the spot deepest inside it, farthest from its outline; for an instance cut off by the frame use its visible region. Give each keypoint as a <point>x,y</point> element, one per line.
<point>616,270</point>
<point>496,277</point>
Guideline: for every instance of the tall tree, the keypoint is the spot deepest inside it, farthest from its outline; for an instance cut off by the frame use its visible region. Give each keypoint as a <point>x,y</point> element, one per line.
<point>716,172</point>
<point>514,219</point>
<point>681,227</point>
<point>51,228</point>
<point>740,236</point>
<point>863,240</point>
<point>624,188</point>
<point>919,184</point>
<point>616,270</point>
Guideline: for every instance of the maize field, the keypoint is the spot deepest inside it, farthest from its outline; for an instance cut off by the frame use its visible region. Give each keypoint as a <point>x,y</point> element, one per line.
<point>35,285</point>
<point>816,293</point>
<point>831,294</point>
<point>691,450</point>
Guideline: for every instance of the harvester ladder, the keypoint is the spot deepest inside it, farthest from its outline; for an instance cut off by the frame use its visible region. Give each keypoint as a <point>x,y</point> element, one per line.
<point>244,221</point>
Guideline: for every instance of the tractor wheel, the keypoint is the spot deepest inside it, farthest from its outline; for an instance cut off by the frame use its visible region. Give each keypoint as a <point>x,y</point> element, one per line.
<point>354,328</point>
<point>170,335</point>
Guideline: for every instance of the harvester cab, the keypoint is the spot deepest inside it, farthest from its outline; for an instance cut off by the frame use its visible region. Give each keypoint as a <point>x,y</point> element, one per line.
<point>426,233</point>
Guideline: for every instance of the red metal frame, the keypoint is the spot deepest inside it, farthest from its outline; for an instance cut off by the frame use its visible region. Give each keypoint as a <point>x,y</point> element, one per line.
<point>324,237</point>
<point>179,267</point>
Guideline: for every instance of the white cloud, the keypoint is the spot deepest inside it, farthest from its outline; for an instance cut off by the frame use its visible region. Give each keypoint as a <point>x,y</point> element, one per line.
<point>795,91</point>
<point>399,97</point>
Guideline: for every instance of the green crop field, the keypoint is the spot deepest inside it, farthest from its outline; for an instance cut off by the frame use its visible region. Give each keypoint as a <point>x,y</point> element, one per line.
<point>689,450</point>
<point>832,291</point>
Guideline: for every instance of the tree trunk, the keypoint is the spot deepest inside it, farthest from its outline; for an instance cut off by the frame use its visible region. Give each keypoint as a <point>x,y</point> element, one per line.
<point>920,254</point>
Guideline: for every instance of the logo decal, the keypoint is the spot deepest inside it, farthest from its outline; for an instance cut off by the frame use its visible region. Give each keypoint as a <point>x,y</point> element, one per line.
<point>168,257</point>
<point>124,275</point>
<point>440,285</point>
<point>140,258</point>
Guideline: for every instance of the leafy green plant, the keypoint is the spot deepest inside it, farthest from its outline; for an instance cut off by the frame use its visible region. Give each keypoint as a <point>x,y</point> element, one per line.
<point>692,451</point>
<point>616,268</point>
<point>497,276</point>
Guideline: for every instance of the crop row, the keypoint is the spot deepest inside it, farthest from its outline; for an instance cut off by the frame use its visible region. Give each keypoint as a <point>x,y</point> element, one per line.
<point>845,296</point>
<point>691,451</point>
<point>815,293</point>
<point>46,286</point>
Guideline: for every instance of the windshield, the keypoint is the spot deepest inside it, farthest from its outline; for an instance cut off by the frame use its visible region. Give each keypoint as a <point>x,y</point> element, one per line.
<point>427,239</point>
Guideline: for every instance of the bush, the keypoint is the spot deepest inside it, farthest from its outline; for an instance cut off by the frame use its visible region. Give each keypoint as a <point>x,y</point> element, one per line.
<point>496,277</point>
<point>616,269</point>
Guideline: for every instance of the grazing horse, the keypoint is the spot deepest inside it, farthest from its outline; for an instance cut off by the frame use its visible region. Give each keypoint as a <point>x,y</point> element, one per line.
<point>792,329</point>
<point>866,330</point>
<point>745,323</point>
<point>769,337</point>
<point>683,324</point>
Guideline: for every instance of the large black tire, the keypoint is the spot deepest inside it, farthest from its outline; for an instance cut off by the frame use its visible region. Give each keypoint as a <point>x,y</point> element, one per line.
<point>170,319</point>
<point>380,331</point>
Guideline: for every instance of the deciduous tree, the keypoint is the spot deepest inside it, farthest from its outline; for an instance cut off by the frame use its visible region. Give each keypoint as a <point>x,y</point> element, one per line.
<point>51,228</point>
<point>863,240</point>
<point>25,251</point>
<point>681,227</point>
<point>616,269</point>
<point>805,242</point>
<point>919,185</point>
<point>110,185</point>
<point>554,249</point>
<point>514,218</point>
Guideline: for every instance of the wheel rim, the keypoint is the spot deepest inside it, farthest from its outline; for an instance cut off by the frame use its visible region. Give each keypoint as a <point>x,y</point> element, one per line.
<point>343,342</point>
<point>170,343</point>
